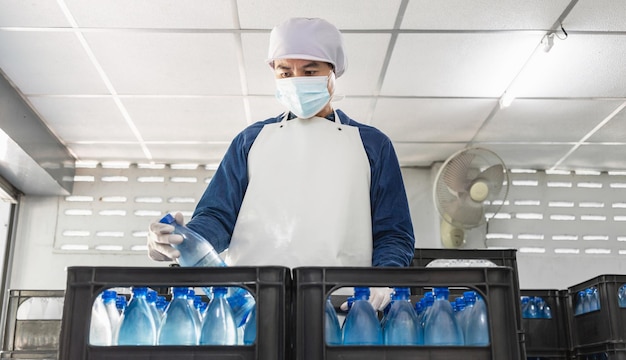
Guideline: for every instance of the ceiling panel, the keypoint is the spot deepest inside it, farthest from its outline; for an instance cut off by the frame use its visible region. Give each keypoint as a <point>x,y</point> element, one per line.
<point>84,119</point>
<point>481,15</point>
<point>544,120</point>
<point>345,14</point>
<point>597,157</point>
<point>597,15</point>
<point>431,120</point>
<point>615,128</point>
<point>168,63</point>
<point>529,155</point>
<point>157,14</point>
<point>424,155</point>
<point>195,119</point>
<point>107,151</point>
<point>33,13</point>
<point>209,154</point>
<point>48,63</point>
<point>457,65</point>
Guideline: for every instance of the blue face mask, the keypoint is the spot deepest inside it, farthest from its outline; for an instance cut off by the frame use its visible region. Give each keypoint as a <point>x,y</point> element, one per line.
<point>304,96</point>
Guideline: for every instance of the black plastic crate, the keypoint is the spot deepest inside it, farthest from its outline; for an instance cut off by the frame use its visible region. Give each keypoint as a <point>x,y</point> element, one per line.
<point>605,325</point>
<point>32,324</point>
<point>606,351</point>
<point>548,338</point>
<point>29,355</point>
<point>312,285</point>
<point>269,285</point>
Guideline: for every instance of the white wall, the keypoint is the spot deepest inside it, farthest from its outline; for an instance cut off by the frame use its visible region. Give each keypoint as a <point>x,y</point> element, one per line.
<point>38,264</point>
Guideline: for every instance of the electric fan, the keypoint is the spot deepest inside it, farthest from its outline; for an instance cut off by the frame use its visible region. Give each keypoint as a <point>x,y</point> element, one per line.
<point>469,189</point>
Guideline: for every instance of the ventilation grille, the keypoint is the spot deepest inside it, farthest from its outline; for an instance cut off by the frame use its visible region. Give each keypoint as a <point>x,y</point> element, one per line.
<point>112,205</point>
<point>578,213</point>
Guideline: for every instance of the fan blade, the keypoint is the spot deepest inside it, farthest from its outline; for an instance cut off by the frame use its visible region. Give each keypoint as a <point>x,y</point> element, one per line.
<point>455,172</point>
<point>463,212</point>
<point>494,177</point>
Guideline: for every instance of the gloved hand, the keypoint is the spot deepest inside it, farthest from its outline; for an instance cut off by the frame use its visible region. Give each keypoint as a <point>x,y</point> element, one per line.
<point>380,297</point>
<point>161,239</point>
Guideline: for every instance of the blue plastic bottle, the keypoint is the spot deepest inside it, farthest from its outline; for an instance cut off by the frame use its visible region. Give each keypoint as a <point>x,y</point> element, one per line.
<point>196,251</point>
<point>402,326</point>
<point>178,326</point>
<point>594,299</point>
<point>249,332</point>
<point>362,326</point>
<point>121,303</point>
<point>621,296</point>
<point>477,324</point>
<point>218,327</point>
<point>580,303</point>
<point>332,329</point>
<point>137,325</point>
<point>440,326</point>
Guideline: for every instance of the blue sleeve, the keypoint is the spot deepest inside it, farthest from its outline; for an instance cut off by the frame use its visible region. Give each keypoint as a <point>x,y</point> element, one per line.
<point>216,212</point>
<point>392,228</point>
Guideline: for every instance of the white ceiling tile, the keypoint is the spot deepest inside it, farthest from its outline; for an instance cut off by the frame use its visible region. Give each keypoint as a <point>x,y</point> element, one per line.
<point>259,75</point>
<point>153,14</point>
<point>528,156</point>
<point>197,119</point>
<point>481,15</point>
<point>84,119</point>
<point>431,120</point>
<point>168,63</point>
<point>185,153</point>
<point>415,154</point>
<point>580,66</point>
<point>357,108</point>
<point>366,55</point>
<point>33,13</point>
<point>545,120</point>
<point>345,14</point>
<point>48,63</point>
<point>597,157</point>
<point>264,107</point>
<point>108,152</point>
<point>597,15</point>
<point>613,131</point>
<point>474,65</point>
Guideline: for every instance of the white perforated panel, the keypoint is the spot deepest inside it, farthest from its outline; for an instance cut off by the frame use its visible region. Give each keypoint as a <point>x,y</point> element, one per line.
<point>112,206</point>
<point>562,213</point>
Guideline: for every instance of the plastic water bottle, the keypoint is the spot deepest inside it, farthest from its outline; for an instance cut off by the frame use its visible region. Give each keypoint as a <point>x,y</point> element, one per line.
<point>441,327</point>
<point>178,326</point>
<point>151,297</point>
<point>100,333</point>
<point>196,251</point>
<point>361,326</point>
<point>332,329</point>
<point>594,299</point>
<point>249,333</point>
<point>580,302</point>
<point>218,327</point>
<point>477,324</point>
<point>621,296</point>
<point>137,324</point>
<point>121,303</point>
<point>402,326</point>
<point>161,304</point>
<point>109,298</point>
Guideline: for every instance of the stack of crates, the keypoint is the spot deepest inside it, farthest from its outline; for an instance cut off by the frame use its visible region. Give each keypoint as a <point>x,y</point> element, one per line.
<point>599,334</point>
<point>270,286</point>
<point>549,338</point>
<point>33,324</point>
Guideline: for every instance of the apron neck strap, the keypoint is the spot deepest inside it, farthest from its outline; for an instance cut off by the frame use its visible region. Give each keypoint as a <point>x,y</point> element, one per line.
<point>286,117</point>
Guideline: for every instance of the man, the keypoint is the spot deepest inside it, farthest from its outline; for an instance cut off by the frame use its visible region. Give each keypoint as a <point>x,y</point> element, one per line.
<point>311,187</point>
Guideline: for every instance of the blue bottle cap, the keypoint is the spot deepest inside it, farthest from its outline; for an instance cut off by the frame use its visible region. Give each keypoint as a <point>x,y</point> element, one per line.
<point>109,295</point>
<point>167,219</point>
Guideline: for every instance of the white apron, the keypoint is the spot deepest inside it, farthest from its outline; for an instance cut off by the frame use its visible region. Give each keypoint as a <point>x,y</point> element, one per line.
<point>307,202</point>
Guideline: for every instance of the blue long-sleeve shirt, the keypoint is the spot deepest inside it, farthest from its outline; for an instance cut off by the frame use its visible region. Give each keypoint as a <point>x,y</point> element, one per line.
<point>392,230</point>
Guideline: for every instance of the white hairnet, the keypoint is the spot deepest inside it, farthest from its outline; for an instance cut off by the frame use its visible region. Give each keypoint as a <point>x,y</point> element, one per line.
<point>308,39</point>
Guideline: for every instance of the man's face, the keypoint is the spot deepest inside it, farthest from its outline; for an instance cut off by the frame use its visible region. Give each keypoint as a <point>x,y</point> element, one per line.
<point>285,68</point>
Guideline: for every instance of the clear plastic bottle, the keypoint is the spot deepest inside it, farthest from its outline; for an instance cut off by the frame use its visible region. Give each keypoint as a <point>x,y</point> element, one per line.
<point>121,303</point>
<point>100,333</point>
<point>621,296</point>
<point>441,327</point>
<point>477,324</point>
<point>218,327</point>
<point>178,326</point>
<point>580,302</point>
<point>151,298</point>
<point>109,298</point>
<point>249,334</point>
<point>402,325</point>
<point>332,329</point>
<point>594,299</point>
<point>196,251</point>
<point>137,324</point>
<point>362,326</point>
